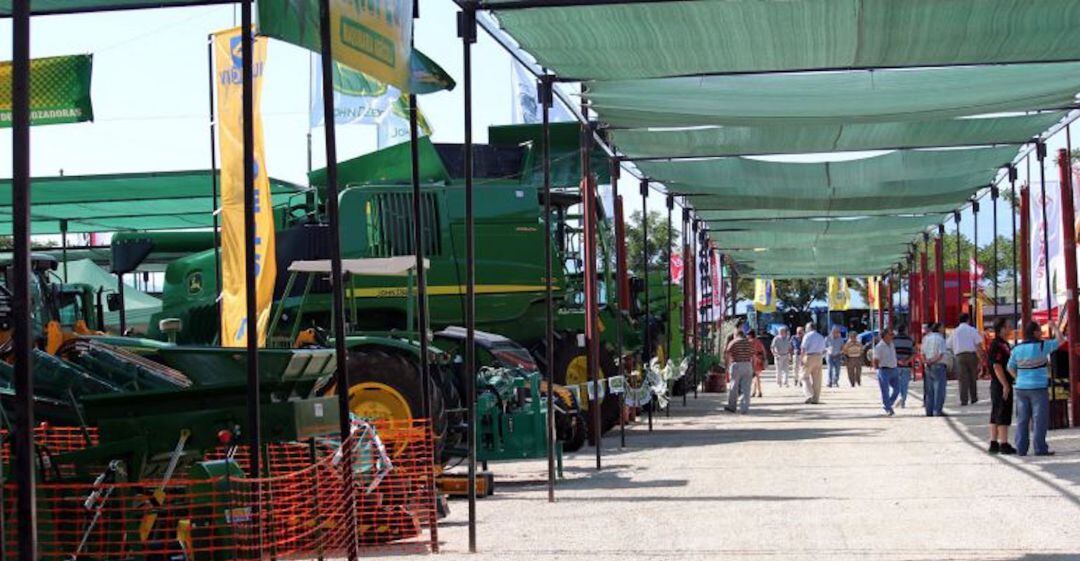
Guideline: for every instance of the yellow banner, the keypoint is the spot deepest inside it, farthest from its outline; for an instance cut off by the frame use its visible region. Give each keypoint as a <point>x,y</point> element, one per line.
<point>872,297</point>
<point>229,80</point>
<point>839,295</point>
<point>764,295</point>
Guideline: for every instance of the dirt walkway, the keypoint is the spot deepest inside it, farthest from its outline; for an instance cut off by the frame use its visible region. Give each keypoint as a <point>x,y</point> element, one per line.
<point>836,481</point>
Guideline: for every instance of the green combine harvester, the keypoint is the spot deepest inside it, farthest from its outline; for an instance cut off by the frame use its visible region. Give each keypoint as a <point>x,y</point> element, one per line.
<point>376,214</point>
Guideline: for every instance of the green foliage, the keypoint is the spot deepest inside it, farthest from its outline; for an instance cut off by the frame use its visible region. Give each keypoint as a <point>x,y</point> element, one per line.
<point>656,246</point>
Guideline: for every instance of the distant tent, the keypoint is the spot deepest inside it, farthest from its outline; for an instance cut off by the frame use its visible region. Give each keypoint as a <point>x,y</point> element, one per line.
<point>139,305</point>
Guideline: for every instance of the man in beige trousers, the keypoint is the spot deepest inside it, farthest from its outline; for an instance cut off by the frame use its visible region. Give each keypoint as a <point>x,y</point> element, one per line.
<point>813,347</point>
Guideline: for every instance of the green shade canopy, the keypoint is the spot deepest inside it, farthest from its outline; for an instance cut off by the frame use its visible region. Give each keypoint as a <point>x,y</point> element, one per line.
<point>46,7</point>
<point>820,98</point>
<point>130,201</point>
<point>802,139</point>
<point>659,39</point>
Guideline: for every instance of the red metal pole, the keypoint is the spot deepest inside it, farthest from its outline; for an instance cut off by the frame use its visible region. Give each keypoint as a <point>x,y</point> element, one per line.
<point>939,275</point>
<point>1025,254</point>
<point>880,304</point>
<point>620,255</point>
<point>1068,249</point>
<point>924,286</point>
<point>588,187</point>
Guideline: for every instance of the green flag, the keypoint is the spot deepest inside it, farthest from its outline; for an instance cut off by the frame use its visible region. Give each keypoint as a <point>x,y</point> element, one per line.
<point>373,37</point>
<point>59,90</point>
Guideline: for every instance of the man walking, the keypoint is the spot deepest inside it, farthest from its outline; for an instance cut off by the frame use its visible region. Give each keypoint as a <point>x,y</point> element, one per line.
<point>740,358</point>
<point>936,378</point>
<point>796,356</point>
<point>813,348</point>
<point>966,344</point>
<point>781,350</point>
<point>904,346</point>
<point>888,378</point>
<point>835,347</point>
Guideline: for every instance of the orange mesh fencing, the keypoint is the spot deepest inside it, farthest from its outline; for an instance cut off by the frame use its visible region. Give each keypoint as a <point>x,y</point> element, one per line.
<point>319,500</point>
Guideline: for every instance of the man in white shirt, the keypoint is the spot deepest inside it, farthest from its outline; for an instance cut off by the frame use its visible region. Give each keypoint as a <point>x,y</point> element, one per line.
<point>781,350</point>
<point>966,344</point>
<point>887,374</point>
<point>812,349</point>
<point>936,379</point>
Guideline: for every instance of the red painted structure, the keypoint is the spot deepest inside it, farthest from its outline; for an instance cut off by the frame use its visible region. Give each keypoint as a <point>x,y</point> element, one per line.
<point>957,284</point>
<point>1025,254</point>
<point>1068,233</point>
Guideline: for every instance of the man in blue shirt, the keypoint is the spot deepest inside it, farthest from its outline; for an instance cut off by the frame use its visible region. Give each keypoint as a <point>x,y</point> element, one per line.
<point>1028,363</point>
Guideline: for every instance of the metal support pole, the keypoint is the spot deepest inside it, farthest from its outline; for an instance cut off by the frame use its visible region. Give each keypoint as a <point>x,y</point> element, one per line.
<point>592,342</point>
<point>924,296</point>
<point>939,269</point>
<point>994,219</point>
<point>467,33</point>
<point>959,293</point>
<point>123,304</point>
<point>973,304</point>
<point>26,502</point>
<point>337,276</point>
<point>1014,201</point>
<point>621,296</point>
<point>646,351</point>
<point>1068,307</point>
<point>214,168</point>
<point>247,49</point>
<point>544,90</point>
<point>1025,253</point>
<point>64,246</point>
<point>697,331</point>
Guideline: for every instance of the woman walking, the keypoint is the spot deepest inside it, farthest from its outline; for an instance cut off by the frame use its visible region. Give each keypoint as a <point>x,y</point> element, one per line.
<point>853,359</point>
<point>1028,363</point>
<point>759,363</point>
<point>1001,384</point>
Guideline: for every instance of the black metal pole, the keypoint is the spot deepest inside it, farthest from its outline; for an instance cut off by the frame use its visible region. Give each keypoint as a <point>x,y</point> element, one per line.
<point>123,305</point>
<point>544,89</point>
<point>993,202</point>
<point>1040,152</point>
<point>975,260</point>
<point>336,270</point>
<point>247,50</point>
<point>467,33</point>
<point>214,166</point>
<point>1014,204</point>
<point>21,349</point>
<point>592,308</point>
<point>697,336</point>
<point>646,351</point>
<point>619,259</point>
<point>64,246</point>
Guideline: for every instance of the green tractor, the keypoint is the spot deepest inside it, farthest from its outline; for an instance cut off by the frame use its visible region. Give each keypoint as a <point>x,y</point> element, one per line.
<point>376,215</point>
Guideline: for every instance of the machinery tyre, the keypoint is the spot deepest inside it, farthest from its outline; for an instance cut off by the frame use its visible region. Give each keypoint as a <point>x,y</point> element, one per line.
<point>387,385</point>
<point>571,426</point>
<point>571,369</point>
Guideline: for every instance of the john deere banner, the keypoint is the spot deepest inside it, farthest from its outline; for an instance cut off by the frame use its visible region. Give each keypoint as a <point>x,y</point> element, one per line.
<point>764,295</point>
<point>373,37</point>
<point>229,80</point>
<point>59,90</point>
<point>839,296</point>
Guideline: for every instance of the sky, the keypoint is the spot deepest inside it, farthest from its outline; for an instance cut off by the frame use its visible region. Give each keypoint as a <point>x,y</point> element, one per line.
<point>151,106</point>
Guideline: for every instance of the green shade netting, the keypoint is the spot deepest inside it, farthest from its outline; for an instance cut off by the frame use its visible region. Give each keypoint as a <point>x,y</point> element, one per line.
<point>775,234</point>
<point>835,97</point>
<point>43,7</point>
<point>649,40</point>
<point>735,216</point>
<point>132,201</point>
<point>802,139</point>
<point>907,173</point>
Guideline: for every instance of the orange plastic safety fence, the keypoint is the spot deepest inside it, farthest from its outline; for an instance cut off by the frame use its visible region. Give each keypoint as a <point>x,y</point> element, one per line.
<point>319,500</point>
<point>56,440</point>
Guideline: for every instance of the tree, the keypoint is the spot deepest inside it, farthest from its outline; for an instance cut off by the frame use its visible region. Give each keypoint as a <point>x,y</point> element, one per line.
<point>798,294</point>
<point>656,247</point>
<point>1003,259</point>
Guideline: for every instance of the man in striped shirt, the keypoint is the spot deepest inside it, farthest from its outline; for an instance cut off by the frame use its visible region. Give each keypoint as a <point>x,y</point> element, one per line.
<point>740,359</point>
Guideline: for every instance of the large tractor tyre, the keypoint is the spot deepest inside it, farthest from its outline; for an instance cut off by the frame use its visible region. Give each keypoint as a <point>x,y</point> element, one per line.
<point>386,385</point>
<point>571,427</point>
<point>571,369</point>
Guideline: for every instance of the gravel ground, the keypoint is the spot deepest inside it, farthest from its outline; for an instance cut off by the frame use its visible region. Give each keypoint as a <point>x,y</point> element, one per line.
<point>836,481</point>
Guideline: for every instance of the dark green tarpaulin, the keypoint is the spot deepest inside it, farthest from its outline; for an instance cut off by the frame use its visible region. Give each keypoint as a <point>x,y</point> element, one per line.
<point>46,7</point>
<point>648,40</point>
<point>131,201</point>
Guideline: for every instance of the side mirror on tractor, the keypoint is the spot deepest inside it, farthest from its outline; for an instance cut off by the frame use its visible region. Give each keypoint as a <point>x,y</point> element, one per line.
<point>112,301</point>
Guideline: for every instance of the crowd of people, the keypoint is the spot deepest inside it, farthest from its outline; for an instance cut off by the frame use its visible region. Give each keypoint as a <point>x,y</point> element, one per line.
<point>1019,375</point>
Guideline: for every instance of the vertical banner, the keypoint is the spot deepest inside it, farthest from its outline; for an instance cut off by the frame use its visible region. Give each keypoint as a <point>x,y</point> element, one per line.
<point>839,295</point>
<point>764,298</point>
<point>526,102</point>
<point>229,78</point>
<point>718,290</point>
<point>873,299</point>
<point>1051,229</point>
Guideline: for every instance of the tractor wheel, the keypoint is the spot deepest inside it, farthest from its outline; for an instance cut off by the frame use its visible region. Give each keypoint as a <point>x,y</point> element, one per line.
<point>386,385</point>
<point>571,369</point>
<point>570,424</point>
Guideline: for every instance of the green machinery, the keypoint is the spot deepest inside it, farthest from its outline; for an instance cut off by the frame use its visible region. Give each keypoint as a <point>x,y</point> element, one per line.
<point>376,223</point>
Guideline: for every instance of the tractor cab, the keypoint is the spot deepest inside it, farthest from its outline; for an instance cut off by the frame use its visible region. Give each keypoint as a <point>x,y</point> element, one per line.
<point>56,308</point>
